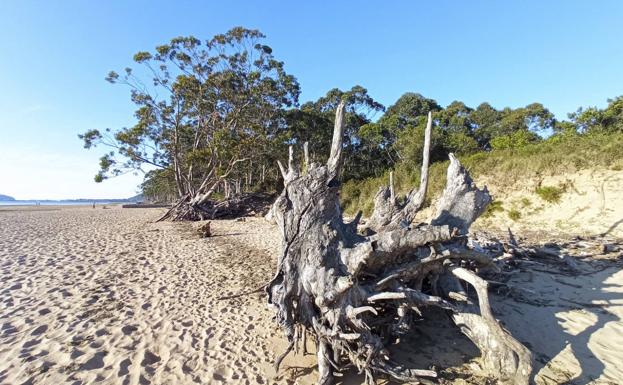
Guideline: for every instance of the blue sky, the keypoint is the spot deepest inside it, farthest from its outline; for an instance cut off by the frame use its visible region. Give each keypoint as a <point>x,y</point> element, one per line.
<point>55,54</point>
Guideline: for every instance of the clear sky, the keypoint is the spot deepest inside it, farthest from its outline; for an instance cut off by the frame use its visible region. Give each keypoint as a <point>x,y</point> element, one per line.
<point>55,54</point>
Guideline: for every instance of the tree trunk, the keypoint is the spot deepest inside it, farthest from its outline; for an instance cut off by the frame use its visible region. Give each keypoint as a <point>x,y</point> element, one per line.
<point>195,204</point>
<point>250,176</point>
<point>348,290</point>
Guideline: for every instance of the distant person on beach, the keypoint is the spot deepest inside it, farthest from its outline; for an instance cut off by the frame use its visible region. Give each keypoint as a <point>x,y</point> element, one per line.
<point>93,204</point>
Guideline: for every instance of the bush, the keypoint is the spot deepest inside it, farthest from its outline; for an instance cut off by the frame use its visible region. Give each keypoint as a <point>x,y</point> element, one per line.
<point>492,208</point>
<point>550,194</point>
<point>514,214</point>
<point>517,139</point>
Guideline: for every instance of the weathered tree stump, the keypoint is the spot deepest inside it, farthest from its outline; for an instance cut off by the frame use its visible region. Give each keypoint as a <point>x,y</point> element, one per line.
<point>354,294</point>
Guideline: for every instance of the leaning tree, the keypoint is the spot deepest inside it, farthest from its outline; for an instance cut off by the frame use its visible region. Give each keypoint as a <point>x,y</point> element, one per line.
<point>354,293</point>
<point>208,108</point>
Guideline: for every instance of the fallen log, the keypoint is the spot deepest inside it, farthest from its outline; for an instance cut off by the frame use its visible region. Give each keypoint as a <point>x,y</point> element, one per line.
<point>355,294</point>
<point>145,206</point>
<point>238,206</point>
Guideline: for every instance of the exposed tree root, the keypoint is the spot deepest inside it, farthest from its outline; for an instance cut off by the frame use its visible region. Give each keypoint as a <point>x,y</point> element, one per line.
<point>355,294</point>
<point>248,204</point>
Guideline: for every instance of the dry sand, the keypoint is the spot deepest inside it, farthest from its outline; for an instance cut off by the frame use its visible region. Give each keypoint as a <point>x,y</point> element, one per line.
<point>107,296</point>
<point>592,204</point>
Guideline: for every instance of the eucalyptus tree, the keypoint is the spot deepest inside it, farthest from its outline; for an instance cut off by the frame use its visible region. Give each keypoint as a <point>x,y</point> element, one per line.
<point>401,120</point>
<point>485,119</point>
<point>593,119</point>
<point>206,108</point>
<point>313,123</point>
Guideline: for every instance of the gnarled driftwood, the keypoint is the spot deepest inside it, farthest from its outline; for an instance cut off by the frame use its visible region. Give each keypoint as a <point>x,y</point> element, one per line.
<point>345,289</point>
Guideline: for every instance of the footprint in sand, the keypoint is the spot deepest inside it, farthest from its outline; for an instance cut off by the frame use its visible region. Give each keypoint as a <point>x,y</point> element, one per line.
<point>7,329</point>
<point>17,286</point>
<point>150,358</point>
<point>31,343</point>
<point>95,362</point>
<point>129,329</point>
<point>124,367</point>
<point>40,330</point>
<point>76,353</point>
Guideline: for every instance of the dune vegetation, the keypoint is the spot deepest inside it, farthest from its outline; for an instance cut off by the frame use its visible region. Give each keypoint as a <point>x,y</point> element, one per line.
<point>556,155</point>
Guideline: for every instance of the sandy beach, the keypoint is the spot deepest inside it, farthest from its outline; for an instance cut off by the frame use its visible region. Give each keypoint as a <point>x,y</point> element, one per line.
<point>108,296</point>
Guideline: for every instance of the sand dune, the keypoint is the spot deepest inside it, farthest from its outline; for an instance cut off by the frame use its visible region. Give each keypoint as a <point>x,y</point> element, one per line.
<point>107,296</point>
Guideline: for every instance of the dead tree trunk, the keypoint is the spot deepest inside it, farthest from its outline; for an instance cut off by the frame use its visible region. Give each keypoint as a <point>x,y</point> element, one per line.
<point>348,290</point>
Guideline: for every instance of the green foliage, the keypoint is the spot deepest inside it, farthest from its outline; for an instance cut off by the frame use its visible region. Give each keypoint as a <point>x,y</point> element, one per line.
<point>492,208</point>
<point>593,119</point>
<point>507,167</point>
<point>461,143</point>
<point>517,139</point>
<point>410,143</point>
<point>359,194</point>
<point>409,108</point>
<point>514,214</point>
<point>159,186</point>
<point>90,137</point>
<point>612,117</point>
<point>457,128</point>
<point>205,106</point>
<point>549,194</point>
<point>363,142</point>
<point>586,120</point>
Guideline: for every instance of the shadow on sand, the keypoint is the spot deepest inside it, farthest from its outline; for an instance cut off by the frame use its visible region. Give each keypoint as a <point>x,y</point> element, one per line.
<point>576,335</point>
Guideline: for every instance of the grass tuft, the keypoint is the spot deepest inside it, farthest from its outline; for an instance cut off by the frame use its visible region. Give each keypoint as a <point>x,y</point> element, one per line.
<point>492,208</point>
<point>514,214</point>
<point>550,194</point>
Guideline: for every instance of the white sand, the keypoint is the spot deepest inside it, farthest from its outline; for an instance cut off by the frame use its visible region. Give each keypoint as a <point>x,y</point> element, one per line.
<point>107,296</point>
<point>573,342</point>
<point>592,204</point>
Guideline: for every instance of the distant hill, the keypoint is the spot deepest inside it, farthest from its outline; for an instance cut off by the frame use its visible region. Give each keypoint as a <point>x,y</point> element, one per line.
<point>136,198</point>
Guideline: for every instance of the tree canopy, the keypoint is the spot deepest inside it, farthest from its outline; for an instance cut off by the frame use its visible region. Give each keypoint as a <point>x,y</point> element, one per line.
<point>206,108</point>
<point>223,111</point>
<point>609,119</point>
